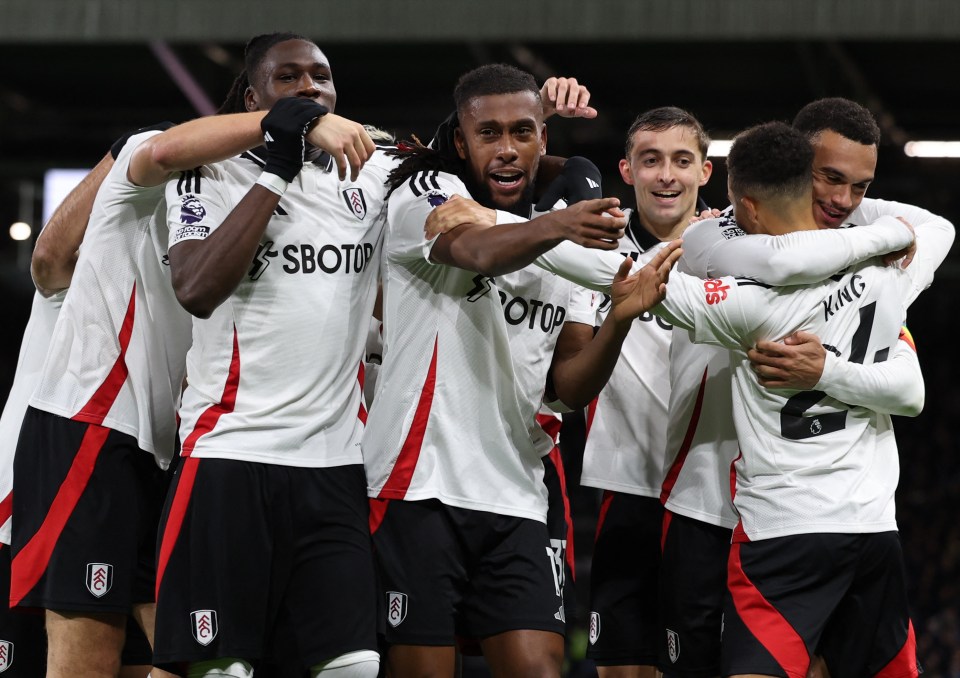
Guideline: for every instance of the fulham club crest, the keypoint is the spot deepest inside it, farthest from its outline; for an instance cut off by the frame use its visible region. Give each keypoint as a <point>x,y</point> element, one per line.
<point>356,203</point>
<point>396,607</point>
<point>204,626</point>
<point>6,655</point>
<point>673,646</point>
<point>99,578</point>
<point>594,627</point>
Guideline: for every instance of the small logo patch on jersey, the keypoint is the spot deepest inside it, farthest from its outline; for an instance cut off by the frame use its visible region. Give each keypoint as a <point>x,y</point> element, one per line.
<point>6,655</point>
<point>191,209</point>
<point>356,203</point>
<point>716,291</point>
<point>396,607</point>
<point>204,626</point>
<point>436,198</point>
<point>673,646</point>
<point>99,578</point>
<point>594,627</point>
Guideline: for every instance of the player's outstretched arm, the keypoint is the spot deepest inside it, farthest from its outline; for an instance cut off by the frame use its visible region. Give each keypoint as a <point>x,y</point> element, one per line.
<point>582,363</point>
<point>511,246</point>
<point>206,270</point>
<point>55,252</point>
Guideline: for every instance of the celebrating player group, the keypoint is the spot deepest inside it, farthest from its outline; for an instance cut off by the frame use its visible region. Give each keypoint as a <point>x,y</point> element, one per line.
<point>289,398</point>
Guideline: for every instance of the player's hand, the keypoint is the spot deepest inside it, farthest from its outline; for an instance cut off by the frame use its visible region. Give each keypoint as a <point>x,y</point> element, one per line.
<point>796,363</point>
<point>284,127</point>
<point>706,214</point>
<point>567,98</point>
<point>632,295</point>
<point>579,180</point>
<point>457,211</point>
<point>907,253</point>
<point>597,224</point>
<point>347,141</point>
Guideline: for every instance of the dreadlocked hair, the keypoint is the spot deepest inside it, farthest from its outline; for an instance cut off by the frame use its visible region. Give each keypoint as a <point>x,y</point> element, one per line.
<point>439,155</point>
<point>234,101</point>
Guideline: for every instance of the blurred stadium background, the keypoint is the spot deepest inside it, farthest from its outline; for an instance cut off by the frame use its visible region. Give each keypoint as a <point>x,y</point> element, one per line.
<point>76,74</point>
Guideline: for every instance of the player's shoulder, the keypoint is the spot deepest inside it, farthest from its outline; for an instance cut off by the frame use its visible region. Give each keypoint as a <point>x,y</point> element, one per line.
<point>724,227</point>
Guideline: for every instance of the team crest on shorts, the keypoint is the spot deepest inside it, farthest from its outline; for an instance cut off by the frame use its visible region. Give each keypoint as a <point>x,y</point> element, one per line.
<point>6,655</point>
<point>99,578</point>
<point>356,203</point>
<point>204,626</point>
<point>594,627</point>
<point>673,646</point>
<point>396,607</point>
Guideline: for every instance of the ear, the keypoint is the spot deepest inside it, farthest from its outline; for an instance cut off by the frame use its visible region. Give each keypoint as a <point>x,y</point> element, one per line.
<point>752,207</point>
<point>543,140</point>
<point>707,172</point>
<point>460,143</point>
<point>250,100</point>
<point>625,172</point>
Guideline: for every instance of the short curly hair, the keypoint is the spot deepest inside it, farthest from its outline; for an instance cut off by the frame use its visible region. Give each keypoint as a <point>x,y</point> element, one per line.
<point>772,160</point>
<point>843,116</point>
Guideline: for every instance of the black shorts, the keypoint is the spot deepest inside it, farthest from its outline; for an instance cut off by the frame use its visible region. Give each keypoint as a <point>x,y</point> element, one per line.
<point>842,596</point>
<point>23,640</point>
<point>693,588</point>
<point>449,572</point>
<point>86,505</point>
<point>624,627</point>
<point>249,550</point>
<point>560,524</point>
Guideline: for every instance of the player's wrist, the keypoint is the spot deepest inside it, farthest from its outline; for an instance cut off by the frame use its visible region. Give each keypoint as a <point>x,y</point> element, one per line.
<point>273,182</point>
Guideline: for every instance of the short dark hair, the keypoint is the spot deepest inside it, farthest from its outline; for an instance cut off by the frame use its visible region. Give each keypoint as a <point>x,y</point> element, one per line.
<point>493,79</point>
<point>772,160</point>
<point>253,55</point>
<point>843,116</point>
<point>664,118</point>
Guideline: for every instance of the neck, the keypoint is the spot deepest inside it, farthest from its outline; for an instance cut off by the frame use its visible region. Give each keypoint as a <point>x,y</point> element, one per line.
<point>795,216</point>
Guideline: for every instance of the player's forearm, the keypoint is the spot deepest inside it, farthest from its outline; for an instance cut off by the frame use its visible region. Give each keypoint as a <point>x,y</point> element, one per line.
<point>206,272</point>
<point>55,253</point>
<point>194,143</point>
<point>497,250</point>
<point>894,386</point>
<point>579,379</point>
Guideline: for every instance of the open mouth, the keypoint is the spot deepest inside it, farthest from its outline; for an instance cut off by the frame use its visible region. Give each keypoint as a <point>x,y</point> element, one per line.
<point>832,214</point>
<point>506,179</point>
<point>666,195</point>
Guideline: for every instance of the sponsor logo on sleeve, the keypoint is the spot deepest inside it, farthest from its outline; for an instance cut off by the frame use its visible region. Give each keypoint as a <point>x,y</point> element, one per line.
<point>716,291</point>
<point>191,209</point>
<point>436,198</point>
<point>99,578</point>
<point>204,626</point>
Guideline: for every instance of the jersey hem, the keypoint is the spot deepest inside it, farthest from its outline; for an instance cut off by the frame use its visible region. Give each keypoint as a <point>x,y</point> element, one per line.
<point>457,502</point>
<point>709,518</point>
<point>603,484</point>
<point>823,528</point>
<point>351,460</point>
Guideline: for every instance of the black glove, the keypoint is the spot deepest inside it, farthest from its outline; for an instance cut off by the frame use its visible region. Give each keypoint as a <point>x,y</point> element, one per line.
<point>579,180</point>
<point>284,128</point>
<point>122,141</point>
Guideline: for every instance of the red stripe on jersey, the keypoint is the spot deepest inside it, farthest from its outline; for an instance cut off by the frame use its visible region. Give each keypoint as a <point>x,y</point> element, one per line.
<point>763,620</point>
<point>550,425</point>
<point>208,419</point>
<point>604,507</point>
<point>557,460</point>
<point>402,473</point>
<point>905,663</point>
<point>96,409</point>
<point>32,560</point>
<point>907,337</point>
<point>378,511</point>
<point>178,511</point>
<point>674,473</point>
<point>667,519</point>
<point>591,411</point>
<point>6,507</point>
<point>362,414</point>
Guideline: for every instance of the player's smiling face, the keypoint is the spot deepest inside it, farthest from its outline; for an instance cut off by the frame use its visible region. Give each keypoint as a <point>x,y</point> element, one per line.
<point>291,68</point>
<point>842,171</point>
<point>666,170</point>
<point>501,137</point>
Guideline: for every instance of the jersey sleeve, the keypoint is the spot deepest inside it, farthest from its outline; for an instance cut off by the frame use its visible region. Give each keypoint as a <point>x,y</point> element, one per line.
<point>801,257</point>
<point>935,237</point>
<point>407,211</point>
<point>583,306</point>
<point>894,386</point>
<point>196,204</point>
<point>724,312</point>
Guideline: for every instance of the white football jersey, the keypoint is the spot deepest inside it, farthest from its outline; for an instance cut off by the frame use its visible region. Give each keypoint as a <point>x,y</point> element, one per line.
<point>701,440</point>
<point>116,357</point>
<point>808,463</point>
<point>626,423</point>
<point>464,368</point>
<point>33,351</point>
<point>275,371</point>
